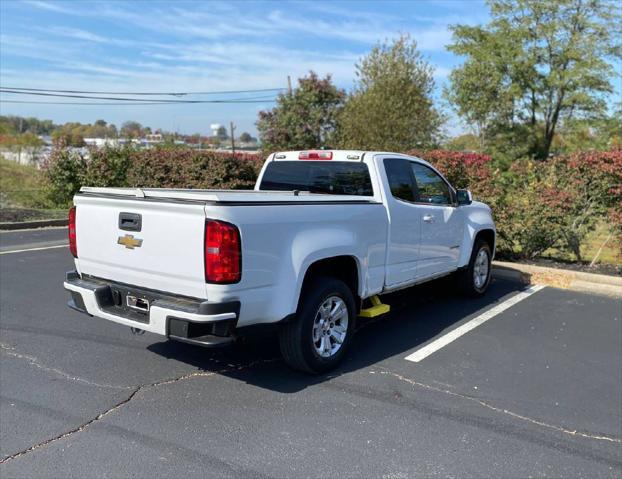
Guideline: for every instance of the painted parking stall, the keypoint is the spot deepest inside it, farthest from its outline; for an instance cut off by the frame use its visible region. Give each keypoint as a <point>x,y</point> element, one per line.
<point>532,390</point>
<point>451,336</point>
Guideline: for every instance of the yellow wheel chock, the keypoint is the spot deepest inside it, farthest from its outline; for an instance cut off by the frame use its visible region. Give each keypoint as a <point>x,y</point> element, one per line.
<point>376,309</point>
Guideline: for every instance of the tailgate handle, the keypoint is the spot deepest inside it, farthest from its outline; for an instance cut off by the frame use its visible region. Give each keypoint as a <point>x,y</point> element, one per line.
<point>130,221</point>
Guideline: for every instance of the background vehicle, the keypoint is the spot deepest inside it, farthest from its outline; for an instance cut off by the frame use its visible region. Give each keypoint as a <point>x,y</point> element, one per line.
<point>322,232</point>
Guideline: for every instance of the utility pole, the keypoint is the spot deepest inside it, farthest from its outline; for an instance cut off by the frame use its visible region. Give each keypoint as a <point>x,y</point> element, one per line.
<point>289,85</point>
<point>232,129</point>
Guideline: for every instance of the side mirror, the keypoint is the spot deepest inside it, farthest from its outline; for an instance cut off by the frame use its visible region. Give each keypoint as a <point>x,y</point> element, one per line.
<point>464,197</point>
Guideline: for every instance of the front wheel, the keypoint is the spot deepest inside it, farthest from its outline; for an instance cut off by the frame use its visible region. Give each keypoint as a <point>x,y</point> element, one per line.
<point>318,338</point>
<point>476,277</point>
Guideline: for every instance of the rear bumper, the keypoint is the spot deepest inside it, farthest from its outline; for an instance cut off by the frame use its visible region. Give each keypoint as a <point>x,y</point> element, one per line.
<point>184,319</point>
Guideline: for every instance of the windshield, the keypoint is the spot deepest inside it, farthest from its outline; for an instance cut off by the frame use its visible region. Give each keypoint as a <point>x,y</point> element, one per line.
<point>329,177</point>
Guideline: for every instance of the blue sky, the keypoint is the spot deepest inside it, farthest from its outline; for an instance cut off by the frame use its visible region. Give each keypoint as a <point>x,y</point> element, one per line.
<point>204,46</point>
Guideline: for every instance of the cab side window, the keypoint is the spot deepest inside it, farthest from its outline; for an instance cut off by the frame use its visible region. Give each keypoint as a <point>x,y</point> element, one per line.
<point>401,180</point>
<point>431,187</point>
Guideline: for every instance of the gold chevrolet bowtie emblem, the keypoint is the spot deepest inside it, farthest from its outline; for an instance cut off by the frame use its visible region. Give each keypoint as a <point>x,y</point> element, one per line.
<point>130,242</point>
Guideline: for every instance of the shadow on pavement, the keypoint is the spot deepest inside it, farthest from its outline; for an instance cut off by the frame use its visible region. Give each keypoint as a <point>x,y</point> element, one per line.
<point>418,314</point>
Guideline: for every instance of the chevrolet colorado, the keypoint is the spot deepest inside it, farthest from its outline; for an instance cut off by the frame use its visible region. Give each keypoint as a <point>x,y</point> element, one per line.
<point>321,235</point>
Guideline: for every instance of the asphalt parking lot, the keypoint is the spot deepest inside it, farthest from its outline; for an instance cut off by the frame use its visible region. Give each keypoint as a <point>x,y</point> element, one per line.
<point>535,391</point>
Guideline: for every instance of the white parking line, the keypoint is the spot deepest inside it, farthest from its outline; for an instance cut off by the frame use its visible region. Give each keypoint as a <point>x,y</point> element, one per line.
<point>451,336</point>
<point>34,249</point>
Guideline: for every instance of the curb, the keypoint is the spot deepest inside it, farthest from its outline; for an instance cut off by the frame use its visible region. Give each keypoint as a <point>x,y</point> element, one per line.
<point>23,225</point>
<point>559,278</point>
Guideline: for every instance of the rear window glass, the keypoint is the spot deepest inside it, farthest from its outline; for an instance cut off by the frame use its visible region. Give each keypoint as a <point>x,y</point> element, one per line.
<point>329,177</point>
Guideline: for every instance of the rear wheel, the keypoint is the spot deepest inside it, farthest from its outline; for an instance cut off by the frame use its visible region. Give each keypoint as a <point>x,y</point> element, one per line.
<point>318,338</point>
<point>476,277</point>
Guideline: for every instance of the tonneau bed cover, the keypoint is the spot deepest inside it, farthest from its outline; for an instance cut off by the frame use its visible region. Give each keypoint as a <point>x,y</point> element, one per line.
<point>224,196</point>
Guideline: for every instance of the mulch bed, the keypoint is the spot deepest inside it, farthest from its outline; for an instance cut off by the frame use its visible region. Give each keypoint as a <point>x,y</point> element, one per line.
<point>609,269</point>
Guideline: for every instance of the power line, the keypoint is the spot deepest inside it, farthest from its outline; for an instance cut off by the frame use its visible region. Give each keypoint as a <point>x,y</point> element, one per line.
<point>223,92</point>
<point>108,103</point>
<point>137,100</point>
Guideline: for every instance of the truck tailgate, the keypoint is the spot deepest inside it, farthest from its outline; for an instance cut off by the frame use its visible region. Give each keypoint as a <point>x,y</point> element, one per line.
<point>165,254</point>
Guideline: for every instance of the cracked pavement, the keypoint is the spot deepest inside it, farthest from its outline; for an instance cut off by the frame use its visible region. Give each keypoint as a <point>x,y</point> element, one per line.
<point>536,391</point>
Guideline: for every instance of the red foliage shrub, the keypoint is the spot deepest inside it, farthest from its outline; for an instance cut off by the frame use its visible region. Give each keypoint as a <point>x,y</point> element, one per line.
<point>464,170</point>
<point>67,170</point>
<point>537,205</point>
<point>593,180</point>
<point>541,205</point>
<point>186,168</point>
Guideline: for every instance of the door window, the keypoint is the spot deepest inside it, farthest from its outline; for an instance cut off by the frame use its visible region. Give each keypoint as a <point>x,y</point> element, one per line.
<point>400,176</point>
<point>431,187</point>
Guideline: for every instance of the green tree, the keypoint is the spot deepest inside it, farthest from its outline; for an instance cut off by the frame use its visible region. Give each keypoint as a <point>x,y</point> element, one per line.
<point>70,134</point>
<point>18,124</point>
<point>221,133</point>
<point>131,129</point>
<point>302,119</point>
<point>534,66</point>
<point>245,137</point>
<point>100,129</point>
<point>465,142</point>
<point>582,134</point>
<point>391,107</point>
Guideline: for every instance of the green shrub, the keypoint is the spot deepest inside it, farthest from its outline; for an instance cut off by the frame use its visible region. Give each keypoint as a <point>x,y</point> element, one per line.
<point>538,206</point>
<point>67,170</point>
<point>541,205</point>
<point>108,166</point>
<point>529,213</point>
<point>590,184</point>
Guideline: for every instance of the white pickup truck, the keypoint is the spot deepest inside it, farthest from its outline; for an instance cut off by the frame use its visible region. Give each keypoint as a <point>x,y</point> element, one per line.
<point>320,236</point>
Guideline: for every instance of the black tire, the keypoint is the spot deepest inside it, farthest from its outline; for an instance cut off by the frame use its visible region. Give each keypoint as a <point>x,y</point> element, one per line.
<point>467,276</point>
<point>296,337</point>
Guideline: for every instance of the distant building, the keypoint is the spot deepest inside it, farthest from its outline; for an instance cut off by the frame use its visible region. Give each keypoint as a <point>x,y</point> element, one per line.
<point>153,139</point>
<point>215,127</point>
<point>100,142</point>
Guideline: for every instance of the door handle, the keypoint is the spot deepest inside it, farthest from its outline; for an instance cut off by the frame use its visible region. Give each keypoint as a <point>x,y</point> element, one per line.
<point>428,218</point>
<point>130,221</point>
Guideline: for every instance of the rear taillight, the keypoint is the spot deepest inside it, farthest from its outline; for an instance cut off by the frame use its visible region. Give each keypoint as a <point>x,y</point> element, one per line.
<point>73,244</point>
<point>315,155</point>
<point>223,256</point>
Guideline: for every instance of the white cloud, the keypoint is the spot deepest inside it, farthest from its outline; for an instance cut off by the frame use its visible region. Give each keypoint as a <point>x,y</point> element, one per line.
<point>208,46</point>
<point>76,34</point>
<point>52,7</point>
<point>210,22</point>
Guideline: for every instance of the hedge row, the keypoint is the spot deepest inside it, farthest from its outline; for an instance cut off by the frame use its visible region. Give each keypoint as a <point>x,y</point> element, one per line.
<point>542,205</point>
<point>68,170</point>
<point>537,205</point>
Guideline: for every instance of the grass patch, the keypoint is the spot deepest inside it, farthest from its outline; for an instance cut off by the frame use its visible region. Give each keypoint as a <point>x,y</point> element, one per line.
<point>611,252</point>
<point>23,194</point>
<point>22,186</point>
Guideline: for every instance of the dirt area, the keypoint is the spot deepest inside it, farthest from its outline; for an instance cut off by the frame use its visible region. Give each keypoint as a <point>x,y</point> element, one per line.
<point>609,269</point>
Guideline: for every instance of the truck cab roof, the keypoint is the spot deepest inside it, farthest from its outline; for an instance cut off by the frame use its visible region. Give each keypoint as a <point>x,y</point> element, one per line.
<point>334,155</point>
